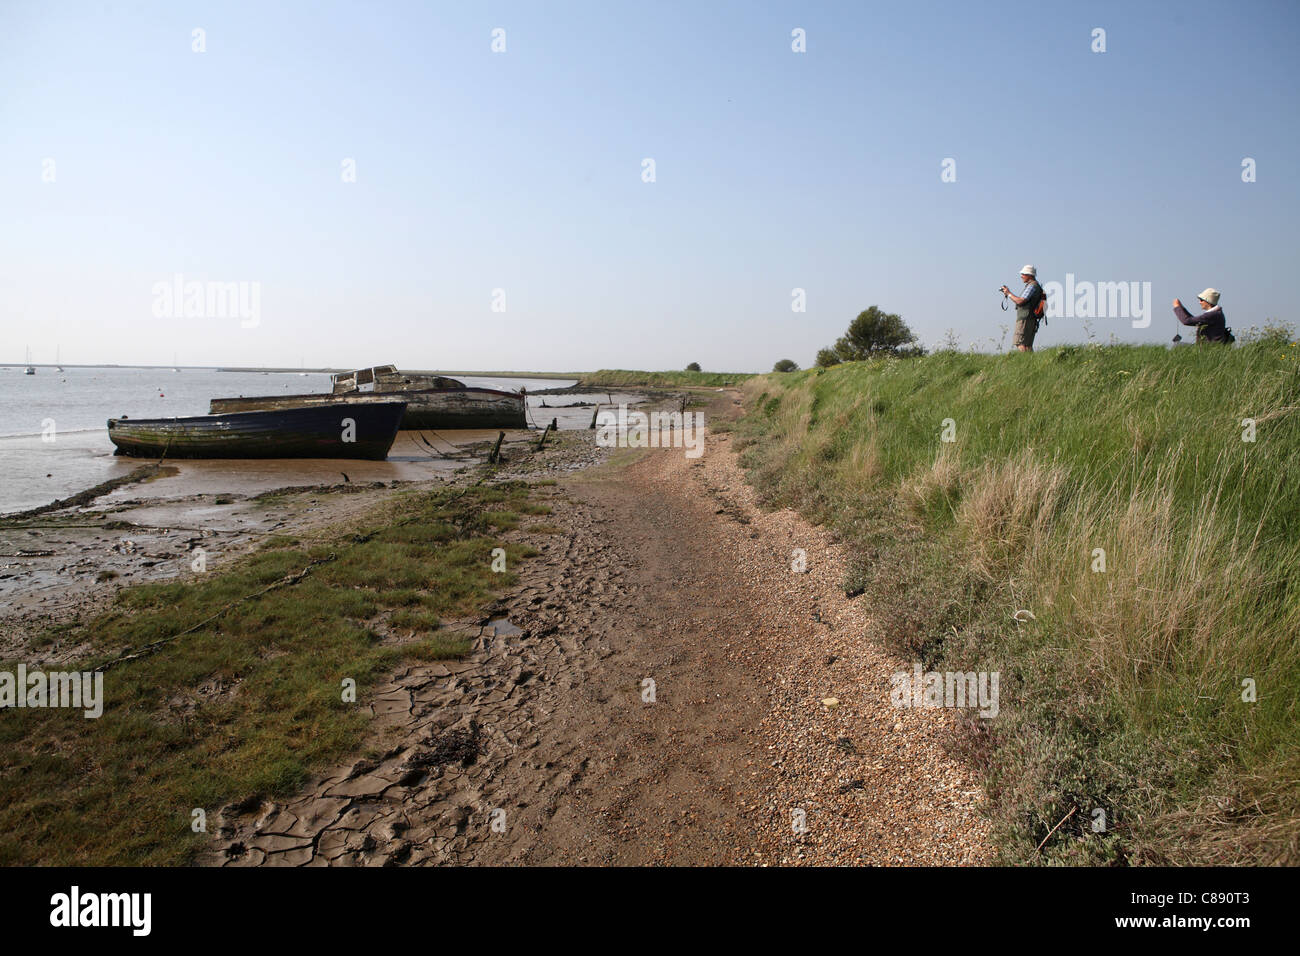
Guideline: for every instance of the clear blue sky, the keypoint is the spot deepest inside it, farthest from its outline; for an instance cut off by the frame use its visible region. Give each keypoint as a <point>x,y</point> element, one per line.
<point>522,171</point>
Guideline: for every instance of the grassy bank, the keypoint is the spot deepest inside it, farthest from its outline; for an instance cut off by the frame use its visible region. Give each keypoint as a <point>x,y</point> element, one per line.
<point>624,377</point>
<point>228,684</point>
<point>1109,493</point>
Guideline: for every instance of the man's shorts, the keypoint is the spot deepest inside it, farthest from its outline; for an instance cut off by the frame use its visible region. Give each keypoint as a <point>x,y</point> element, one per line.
<point>1026,329</point>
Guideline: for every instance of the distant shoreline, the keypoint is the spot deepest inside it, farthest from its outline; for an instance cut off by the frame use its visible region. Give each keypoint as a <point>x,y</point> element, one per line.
<point>315,371</point>
<point>602,377</point>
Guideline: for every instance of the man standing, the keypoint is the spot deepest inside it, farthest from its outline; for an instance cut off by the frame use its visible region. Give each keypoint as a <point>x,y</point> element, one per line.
<point>1027,311</point>
<point>1210,324</point>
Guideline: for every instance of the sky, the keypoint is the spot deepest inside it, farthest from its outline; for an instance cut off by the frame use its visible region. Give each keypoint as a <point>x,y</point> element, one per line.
<point>383,186</point>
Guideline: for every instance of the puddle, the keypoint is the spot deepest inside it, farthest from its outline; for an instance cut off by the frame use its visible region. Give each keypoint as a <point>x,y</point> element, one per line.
<point>501,627</point>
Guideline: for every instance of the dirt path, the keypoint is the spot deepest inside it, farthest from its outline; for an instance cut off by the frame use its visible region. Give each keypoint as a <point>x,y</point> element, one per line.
<point>547,747</point>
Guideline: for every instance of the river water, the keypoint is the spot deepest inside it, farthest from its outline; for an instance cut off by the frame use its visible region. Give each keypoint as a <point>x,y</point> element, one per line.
<point>54,442</point>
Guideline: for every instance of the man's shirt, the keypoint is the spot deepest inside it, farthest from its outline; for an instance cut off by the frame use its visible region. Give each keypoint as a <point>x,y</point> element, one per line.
<point>1031,295</point>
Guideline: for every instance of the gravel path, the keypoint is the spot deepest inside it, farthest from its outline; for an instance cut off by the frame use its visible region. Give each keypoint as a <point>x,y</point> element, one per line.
<point>549,746</point>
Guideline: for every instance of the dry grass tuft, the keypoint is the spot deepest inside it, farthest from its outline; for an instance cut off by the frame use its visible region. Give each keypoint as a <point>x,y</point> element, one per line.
<point>935,486</point>
<point>1007,505</point>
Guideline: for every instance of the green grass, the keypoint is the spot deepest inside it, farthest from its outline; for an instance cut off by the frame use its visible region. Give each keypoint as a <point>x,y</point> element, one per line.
<point>250,703</point>
<point>618,377</point>
<point>1125,692</point>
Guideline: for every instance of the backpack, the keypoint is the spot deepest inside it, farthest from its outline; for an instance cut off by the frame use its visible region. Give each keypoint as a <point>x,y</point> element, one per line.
<point>1040,309</point>
<point>1228,337</point>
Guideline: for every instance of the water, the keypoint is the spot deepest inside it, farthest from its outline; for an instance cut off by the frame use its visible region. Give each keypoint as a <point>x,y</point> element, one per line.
<point>72,407</point>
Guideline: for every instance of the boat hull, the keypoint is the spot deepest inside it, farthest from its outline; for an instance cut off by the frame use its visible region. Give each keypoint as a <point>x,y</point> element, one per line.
<point>334,430</point>
<point>432,408</point>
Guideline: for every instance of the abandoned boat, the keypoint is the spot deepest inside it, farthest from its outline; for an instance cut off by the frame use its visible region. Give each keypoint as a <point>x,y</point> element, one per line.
<point>432,401</point>
<point>318,431</point>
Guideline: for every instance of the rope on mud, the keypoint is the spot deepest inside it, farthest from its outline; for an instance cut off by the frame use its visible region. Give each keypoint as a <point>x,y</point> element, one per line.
<point>455,452</point>
<point>148,649</point>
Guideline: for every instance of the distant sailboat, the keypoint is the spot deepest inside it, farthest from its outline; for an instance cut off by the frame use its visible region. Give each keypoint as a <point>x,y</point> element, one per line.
<point>31,369</point>
<point>57,366</point>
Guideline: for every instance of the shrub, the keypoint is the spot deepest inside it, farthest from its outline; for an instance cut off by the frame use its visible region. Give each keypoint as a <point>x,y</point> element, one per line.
<point>827,357</point>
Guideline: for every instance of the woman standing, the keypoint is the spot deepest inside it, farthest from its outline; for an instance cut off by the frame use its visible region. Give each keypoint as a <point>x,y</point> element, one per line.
<point>1210,325</point>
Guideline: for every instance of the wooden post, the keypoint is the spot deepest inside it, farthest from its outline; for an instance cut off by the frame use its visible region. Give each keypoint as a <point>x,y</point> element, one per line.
<point>542,442</point>
<point>595,412</point>
<point>495,455</point>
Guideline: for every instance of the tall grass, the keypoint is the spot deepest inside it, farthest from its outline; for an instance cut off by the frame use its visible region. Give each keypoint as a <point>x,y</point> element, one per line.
<point>1110,493</point>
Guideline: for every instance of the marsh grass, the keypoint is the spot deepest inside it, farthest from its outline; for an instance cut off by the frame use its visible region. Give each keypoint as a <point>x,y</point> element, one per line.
<point>251,703</point>
<point>1125,691</point>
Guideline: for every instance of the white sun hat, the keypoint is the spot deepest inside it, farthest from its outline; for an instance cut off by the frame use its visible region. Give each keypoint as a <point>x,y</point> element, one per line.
<point>1029,271</point>
<point>1210,295</point>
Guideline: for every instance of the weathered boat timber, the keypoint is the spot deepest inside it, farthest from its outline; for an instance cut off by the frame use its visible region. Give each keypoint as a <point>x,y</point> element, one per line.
<point>386,378</point>
<point>432,401</point>
<point>317,431</point>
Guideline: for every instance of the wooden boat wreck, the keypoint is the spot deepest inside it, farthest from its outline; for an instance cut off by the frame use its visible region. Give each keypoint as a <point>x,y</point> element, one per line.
<point>317,431</point>
<point>432,401</point>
